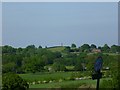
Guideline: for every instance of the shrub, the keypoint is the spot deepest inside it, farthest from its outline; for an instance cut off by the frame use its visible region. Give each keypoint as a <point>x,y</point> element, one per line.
<point>12,81</point>
<point>106,84</point>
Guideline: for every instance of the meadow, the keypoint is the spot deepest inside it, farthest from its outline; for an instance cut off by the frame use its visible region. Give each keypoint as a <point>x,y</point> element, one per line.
<point>59,80</point>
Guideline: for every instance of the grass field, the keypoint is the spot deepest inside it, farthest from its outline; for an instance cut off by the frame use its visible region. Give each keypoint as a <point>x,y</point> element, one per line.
<point>70,67</point>
<point>57,48</point>
<point>57,80</point>
<point>45,76</point>
<point>67,84</point>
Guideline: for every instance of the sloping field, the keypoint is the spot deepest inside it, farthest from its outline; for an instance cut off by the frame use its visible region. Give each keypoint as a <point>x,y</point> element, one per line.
<point>58,80</point>
<point>56,48</point>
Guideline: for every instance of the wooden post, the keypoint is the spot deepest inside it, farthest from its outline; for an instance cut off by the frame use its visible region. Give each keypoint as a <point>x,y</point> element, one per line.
<point>97,87</point>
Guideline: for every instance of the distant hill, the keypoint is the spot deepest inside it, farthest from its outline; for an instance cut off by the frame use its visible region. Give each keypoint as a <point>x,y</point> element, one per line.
<point>56,48</point>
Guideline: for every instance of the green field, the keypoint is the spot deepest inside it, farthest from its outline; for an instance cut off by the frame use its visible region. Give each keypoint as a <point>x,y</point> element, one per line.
<point>45,76</point>
<point>57,48</point>
<point>57,80</point>
<point>67,84</point>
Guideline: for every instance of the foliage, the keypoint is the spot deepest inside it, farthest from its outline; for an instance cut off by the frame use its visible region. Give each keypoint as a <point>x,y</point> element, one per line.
<point>12,81</point>
<point>9,67</point>
<point>106,84</point>
<point>85,48</point>
<point>59,67</point>
<point>93,46</point>
<point>40,47</point>
<point>105,48</point>
<point>114,48</point>
<point>73,46</point>
<point>116,78</point>
<point>67,49</point>
<point>78,66</point>
<point>32,59</point>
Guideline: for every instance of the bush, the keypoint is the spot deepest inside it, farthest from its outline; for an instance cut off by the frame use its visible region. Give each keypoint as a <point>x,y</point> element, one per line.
<point>78,67</point>
<point>106,84</point>
<point>12,81</point>
<point>59,67</point>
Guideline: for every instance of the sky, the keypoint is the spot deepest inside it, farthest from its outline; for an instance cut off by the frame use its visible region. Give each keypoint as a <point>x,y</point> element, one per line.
<point>60,0</point>
<point>50,23</point>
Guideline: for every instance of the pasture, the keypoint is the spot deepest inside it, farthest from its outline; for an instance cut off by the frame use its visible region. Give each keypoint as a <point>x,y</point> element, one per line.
<point>58,80</point>
<point>56,49</point>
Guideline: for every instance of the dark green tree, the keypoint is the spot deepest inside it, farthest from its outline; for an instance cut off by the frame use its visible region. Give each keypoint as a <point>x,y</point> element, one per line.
<point>8,49</point>
<point>67,49</point>
<point>93,46</point>
<point>58,67</point>
<point>9,67</point>
<point>33,64</point>
<point>106,48</point>
<point>30,47</point>
<point>40,47</point>
<point>78,66</point>
<point>114,48</point>
<point>73,46</point>
<point>85,48</point>
<point>99,47</point>
<point>58,55</point>
<point>11,81</point>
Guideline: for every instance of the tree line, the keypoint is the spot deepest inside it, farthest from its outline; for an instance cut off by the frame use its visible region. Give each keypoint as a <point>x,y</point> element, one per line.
<point>88,48</point>
<point>32,59</point>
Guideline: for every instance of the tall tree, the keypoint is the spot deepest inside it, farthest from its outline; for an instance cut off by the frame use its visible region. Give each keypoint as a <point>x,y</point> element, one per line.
<point>106,48</point>
<point>93,46</point>
<point>73,46</point>
<point>40,47</point>
<point>67,49</point>
<point>31,47</point>
<point>114,48</point>
<point>78,66</point>
<point>85,48</point>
